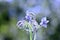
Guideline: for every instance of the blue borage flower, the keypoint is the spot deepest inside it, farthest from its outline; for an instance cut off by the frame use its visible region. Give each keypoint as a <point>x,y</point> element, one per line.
<point>30,16</point>
<point>44,22</point>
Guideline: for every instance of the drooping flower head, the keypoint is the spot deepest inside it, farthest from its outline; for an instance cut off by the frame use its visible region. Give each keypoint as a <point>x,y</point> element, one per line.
<point>20,24</point>
<point>44,22</point>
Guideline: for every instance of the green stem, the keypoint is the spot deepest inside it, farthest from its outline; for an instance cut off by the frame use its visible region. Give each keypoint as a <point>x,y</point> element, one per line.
<point>30,35</point>
<point>35,36</point>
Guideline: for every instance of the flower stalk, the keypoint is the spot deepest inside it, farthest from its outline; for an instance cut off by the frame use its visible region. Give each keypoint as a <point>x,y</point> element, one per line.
<point>35,36</point>
<point>31,35</point>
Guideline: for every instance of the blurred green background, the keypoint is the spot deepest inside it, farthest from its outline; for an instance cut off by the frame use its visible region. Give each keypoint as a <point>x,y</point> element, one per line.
<point>8,20</point>
<point>11,11</point>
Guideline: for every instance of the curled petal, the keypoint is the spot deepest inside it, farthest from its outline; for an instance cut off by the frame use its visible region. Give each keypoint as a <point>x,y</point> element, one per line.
<point>44,19</point>
<point>43,25</point>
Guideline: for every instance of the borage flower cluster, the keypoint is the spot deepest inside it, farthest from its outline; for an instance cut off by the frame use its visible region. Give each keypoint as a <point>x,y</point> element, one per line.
<point>30,23</point>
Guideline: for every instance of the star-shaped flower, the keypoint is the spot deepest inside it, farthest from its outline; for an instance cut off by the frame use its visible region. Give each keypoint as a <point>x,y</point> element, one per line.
<point>44,22</point>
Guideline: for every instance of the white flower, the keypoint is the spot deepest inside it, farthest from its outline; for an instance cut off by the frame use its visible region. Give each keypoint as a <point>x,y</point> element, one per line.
<point>44,22</point>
